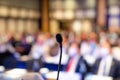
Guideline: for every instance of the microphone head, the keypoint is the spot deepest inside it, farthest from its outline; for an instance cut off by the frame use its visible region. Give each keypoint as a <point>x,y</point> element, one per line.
<point>59,38</point>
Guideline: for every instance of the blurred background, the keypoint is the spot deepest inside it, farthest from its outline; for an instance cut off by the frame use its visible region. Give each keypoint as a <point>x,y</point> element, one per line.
<point>28,29</point>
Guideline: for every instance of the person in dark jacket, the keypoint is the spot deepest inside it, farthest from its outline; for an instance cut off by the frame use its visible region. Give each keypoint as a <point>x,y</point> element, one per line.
<point>106,65</point>
<point>77,63</point>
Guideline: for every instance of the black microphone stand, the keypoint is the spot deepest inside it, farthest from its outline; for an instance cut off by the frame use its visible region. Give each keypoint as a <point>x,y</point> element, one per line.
<point>59,61</point>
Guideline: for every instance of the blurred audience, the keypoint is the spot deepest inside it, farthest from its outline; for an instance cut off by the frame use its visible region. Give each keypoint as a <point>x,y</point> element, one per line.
<point>82,53</point>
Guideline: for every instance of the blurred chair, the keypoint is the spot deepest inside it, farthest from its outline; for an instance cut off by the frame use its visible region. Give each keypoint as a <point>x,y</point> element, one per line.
<point>21,74</point>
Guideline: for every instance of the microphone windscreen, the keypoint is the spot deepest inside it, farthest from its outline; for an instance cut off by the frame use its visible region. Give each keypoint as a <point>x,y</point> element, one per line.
<point>59,38</point>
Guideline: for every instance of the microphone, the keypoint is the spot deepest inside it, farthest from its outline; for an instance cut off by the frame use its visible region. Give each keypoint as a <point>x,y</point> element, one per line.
<point>59,40</point>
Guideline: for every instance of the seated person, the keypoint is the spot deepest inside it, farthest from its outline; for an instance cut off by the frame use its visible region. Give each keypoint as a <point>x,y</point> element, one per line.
<point>35,63</point>
<point>8,55</point>
<point>106,65</point>
<point>76,62</point>
<point>53,54</point>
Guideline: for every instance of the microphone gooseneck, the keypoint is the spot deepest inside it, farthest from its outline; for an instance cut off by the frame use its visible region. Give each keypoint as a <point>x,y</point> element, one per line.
<point>59,40</point>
